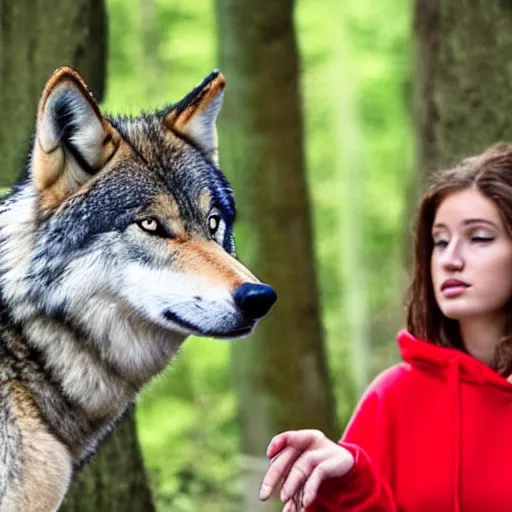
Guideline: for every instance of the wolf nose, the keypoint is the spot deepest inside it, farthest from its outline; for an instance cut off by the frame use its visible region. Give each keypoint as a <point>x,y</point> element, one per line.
<point>255,300</point>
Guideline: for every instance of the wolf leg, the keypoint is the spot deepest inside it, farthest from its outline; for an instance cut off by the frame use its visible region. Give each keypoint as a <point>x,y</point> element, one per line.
<point>38,467</point>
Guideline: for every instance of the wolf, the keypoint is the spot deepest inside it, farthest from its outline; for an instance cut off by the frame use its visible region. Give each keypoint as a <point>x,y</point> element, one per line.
<point>116,245</point>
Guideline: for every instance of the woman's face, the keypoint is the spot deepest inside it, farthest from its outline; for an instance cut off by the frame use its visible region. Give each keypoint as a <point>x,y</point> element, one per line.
<point>471,263</point>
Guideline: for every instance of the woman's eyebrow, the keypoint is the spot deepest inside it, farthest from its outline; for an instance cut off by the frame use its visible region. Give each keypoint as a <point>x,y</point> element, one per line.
<point>466,222</point>
<point>479,221</point>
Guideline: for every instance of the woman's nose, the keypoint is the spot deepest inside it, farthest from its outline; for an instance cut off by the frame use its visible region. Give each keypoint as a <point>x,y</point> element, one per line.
<point>452,258</point>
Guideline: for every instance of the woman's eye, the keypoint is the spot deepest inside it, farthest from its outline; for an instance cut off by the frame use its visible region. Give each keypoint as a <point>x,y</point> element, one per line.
<point>213,224</point>
<point>482,239</point>
<point>440,243</point>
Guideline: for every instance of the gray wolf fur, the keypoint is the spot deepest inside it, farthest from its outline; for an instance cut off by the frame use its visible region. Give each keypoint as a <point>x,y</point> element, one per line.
<point>116,246</point>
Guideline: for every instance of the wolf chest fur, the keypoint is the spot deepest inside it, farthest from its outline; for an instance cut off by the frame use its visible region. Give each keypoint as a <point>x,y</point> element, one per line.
<point>116,246</point>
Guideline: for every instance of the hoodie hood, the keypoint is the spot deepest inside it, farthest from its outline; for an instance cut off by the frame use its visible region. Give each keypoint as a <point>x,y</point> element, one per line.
<point>457,368</point>
<point>431,434</point>
<point>431,357</point>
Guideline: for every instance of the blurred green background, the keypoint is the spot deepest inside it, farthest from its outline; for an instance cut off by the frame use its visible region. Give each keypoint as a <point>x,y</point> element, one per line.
<point>356,79</point>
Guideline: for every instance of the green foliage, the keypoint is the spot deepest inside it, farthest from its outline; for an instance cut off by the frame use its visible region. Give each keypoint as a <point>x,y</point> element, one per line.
<point>188,430</point>
<point>356,82</point>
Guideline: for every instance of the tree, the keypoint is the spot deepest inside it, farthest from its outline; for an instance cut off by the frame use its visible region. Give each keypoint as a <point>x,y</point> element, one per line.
<point>464,100</point>
<point>35,38</point>
<point>115,481</point>
<point>280,373</point>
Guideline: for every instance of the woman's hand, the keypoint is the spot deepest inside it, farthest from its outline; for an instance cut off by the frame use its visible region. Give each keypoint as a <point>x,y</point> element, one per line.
<point>300,461</point>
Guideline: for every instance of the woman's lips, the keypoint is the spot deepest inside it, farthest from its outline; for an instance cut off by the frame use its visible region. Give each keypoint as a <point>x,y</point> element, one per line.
<point>453,288</point>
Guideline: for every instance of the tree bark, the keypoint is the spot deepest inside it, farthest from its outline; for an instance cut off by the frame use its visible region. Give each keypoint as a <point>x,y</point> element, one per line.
<point>36,37</point>
<point>149,36</point>
<point>463,89</point>
<point>115,481</point>
<point>280,372</point>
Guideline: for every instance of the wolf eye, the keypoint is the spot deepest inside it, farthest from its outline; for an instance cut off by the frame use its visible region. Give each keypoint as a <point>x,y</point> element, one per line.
<point>153,226</point>
<point>213,223</point>
<point>149,224</point>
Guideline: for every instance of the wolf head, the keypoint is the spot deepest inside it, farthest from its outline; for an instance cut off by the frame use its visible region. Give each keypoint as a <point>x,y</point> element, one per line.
<point>125,225</point>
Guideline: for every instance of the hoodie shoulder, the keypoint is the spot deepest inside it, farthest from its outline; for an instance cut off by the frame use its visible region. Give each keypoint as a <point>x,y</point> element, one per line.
<point>390,378</point>
<point>400,384</point>
<point>424,365</point>
<point>380,403</point>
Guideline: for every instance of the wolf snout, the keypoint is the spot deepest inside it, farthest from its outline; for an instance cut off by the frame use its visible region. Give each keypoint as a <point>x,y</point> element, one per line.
<point>254,300</point>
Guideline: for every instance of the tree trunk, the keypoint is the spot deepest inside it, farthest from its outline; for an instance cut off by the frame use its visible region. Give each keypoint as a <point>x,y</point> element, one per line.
<point>36,37</point>
<point>350,169</point>
<point>280,372</point>
<point>464,100</point>
<point>149,37</point>
<point>115,481</point>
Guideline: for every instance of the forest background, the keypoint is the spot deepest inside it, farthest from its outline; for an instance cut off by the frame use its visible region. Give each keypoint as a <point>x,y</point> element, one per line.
<point>355,74</point>
<point>335,114</point>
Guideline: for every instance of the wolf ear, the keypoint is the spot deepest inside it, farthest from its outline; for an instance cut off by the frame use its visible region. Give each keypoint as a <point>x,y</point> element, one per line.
<point>73,140</point>
<point>195,115</point>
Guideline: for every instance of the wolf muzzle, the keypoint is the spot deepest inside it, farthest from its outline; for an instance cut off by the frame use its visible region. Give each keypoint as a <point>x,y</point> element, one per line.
<point>254,300</point>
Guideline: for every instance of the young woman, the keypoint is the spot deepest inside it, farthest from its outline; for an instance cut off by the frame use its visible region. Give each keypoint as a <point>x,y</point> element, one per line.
<point>434,433</point>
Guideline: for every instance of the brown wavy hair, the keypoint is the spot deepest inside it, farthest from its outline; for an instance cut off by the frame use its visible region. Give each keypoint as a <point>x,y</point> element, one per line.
<point>490,173</point>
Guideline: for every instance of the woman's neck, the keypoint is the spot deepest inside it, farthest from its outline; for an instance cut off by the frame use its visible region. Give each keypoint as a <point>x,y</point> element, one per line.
<point>481,336</point>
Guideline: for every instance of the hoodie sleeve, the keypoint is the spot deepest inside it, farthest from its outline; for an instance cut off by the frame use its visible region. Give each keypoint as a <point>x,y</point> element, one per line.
<point>365,487</point>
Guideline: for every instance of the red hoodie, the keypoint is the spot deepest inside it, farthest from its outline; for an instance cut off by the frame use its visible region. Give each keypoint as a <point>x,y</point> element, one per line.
<point>432,434</point>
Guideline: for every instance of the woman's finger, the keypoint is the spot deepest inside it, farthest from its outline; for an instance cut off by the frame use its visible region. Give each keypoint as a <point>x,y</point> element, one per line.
<point>300,471</point>
<point>278,469</point>
<point>300,439</point>
<point>277,443</point>
<point>297,501</point>
<point>289,507</point>
<point>331,468</point>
